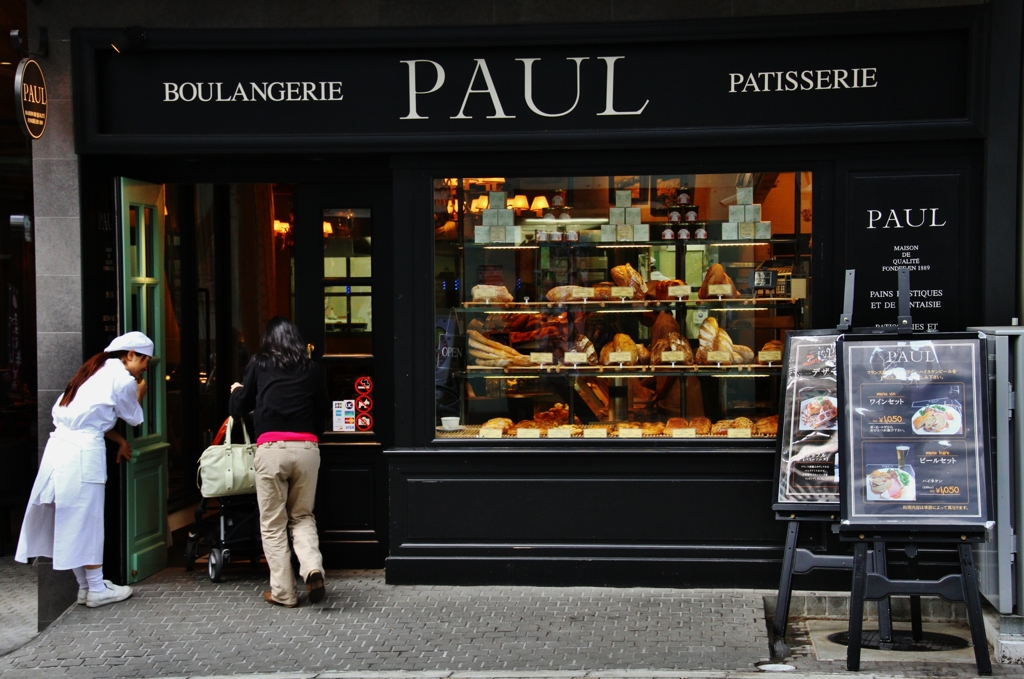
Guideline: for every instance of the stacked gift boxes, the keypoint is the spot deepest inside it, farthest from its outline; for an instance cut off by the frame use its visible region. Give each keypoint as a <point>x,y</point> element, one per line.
<point>745,219</point>
<point>499,223</point>
<point>624,221</point>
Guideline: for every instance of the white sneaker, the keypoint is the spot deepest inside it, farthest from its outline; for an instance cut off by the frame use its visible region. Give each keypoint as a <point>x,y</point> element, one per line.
<point>83,593</point>
<point>112,594</point>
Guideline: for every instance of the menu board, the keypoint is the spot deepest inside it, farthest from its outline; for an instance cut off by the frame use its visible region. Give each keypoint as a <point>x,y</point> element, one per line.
<point>807,467</point>
<point>913,445</point>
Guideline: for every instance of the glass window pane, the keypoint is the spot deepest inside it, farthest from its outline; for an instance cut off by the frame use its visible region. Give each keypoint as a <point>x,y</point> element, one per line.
<point>133,240</point>
<point>149,244</point>
<point>577,271</point>
<point>348,303</point>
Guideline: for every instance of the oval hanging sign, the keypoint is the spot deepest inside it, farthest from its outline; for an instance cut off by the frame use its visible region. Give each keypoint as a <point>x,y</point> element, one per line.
<point>30,90</point>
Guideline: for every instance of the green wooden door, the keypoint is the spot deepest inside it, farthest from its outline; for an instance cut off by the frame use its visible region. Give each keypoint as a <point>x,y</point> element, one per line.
<point>142,240</point>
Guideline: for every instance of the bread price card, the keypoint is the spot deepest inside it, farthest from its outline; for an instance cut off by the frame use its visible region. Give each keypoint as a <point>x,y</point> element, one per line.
<point>574,358</point>
<point>622,291</point>
<point>718,356</point>
<point>674,356</point>
<point>743,433</point>
<point>556,433</point>
<point>769,356</point>
<point>542,357</point>
<point>679,290</point>
<point>631,433</point>
<point>720,290</point>
<point>491,433</point>
<point>621,357</point>
<point>599,433</point>
<point>527,433</point>
<point>688,433</point>
<point>585,293</point>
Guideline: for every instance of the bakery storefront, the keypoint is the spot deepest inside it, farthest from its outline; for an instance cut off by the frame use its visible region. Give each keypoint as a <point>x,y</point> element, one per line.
<point>549,271</point>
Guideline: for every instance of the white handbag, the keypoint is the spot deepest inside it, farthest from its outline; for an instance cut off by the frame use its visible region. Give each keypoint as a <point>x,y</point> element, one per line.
<point>228,468</point>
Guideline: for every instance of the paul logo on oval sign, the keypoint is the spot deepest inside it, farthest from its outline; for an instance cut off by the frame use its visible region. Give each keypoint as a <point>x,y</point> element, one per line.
<point>30,93</point>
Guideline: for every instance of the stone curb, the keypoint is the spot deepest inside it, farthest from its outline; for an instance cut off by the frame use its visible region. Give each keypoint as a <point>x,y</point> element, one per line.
<point>535,674</point>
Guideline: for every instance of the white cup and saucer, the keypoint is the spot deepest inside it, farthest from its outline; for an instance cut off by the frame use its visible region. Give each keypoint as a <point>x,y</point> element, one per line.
<point>450,424</point>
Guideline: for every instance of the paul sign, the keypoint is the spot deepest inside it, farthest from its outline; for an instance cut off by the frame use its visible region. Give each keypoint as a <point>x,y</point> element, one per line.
<point>30,92</point>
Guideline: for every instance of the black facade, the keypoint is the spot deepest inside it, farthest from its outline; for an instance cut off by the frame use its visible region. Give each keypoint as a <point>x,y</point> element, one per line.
<point>927,102</point>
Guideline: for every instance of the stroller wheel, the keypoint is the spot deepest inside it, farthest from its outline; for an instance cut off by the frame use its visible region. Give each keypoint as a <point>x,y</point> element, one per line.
<point>191,552</point>
<point>216,564</point>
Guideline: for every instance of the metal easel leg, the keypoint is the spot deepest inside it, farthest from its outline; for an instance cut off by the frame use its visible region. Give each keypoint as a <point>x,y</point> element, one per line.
<point>786,581</point>
<point>860,574</point>
<point>973,599</point>
<point>880,566</point>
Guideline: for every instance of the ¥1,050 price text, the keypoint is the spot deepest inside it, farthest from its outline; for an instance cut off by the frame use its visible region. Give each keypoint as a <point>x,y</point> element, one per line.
<point>946,490</point>
<point>889,419</point>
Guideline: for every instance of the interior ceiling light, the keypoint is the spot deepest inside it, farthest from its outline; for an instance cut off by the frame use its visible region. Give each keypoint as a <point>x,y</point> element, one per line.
<point>133,36</point>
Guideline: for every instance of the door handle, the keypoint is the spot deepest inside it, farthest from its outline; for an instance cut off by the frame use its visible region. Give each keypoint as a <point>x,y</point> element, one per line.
<point>309,350</point>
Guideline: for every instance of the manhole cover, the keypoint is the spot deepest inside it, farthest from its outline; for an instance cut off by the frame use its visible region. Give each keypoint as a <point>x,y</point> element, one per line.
<point>902,641</point>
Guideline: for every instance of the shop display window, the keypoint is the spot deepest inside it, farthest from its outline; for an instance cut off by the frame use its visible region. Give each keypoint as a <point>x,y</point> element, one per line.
<point>650,306</point>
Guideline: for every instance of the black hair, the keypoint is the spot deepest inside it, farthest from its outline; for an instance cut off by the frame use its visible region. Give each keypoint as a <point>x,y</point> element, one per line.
<point>282,346</point>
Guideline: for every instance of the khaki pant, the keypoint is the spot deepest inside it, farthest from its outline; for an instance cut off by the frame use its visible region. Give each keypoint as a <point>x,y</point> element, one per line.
<point>286,473</point>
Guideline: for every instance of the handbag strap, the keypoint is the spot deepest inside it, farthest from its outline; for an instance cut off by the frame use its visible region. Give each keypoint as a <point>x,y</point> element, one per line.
<point>245,432</point>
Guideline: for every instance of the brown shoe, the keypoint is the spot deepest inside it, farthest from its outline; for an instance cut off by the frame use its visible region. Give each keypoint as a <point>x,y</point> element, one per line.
<point>315,587</point>
<point>269,598</point>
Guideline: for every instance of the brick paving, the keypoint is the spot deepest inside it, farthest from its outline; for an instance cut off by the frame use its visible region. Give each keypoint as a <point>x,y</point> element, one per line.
<point>18,609</point>
<point>181,625</point>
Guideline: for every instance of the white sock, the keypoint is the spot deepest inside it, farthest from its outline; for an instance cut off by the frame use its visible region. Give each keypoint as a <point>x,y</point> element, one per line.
<point>95,577</point>
<point>83,582</point>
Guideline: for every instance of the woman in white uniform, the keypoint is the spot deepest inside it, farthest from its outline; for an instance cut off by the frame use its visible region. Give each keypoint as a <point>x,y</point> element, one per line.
<point>64,519</point>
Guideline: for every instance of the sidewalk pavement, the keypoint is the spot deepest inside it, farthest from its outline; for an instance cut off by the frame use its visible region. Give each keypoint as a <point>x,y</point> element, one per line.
<point>17,604</point>
<point>180,624</point>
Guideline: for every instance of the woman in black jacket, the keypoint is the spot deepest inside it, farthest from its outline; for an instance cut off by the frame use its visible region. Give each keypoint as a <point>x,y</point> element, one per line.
<point>287,394</point>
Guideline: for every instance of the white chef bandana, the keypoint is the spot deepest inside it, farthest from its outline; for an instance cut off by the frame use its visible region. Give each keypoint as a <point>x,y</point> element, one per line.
<point>132,341</point>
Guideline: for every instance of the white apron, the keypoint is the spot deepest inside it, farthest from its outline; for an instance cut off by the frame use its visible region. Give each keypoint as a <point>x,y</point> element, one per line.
<point>64,519</point>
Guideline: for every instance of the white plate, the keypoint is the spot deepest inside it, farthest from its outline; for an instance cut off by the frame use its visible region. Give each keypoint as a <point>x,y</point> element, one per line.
<point>909,493</point>
<point>458,428</point>
<point>806,402</point>
<point>952,429</point>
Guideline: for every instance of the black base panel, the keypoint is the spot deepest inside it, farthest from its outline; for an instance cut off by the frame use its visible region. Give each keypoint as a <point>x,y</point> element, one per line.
<point>582,572</point>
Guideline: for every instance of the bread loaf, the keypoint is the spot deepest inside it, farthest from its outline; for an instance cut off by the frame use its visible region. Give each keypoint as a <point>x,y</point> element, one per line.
<point>677,423</point>
<point>708,332</point>
<point>673,341</point>
<point>626,275</point>
<point>643,355</point>
<point>619,343</point>
<point>603,291</point>
<point>502,423</point>
<point>721,428</point>
<point>771,345</point>
<point>702,425</point>
<point>584,344</point>
<point>767,426</point>
<point>562,293</point>
<point>497,293</point>
<point>661,287</point>
<point>746,354</point>
<point>716,276</point>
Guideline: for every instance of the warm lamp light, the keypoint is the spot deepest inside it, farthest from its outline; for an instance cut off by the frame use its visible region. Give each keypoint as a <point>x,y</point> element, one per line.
<point>485,202</point>
<point>479,204</point>
<point>520,202</point>
<point>328,229</point>
<point>540,203</point>
<point>281,227</point>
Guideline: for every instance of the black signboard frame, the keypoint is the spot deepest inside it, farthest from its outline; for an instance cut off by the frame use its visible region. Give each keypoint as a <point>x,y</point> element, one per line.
<point>972,408</point>
<point>784,440</point>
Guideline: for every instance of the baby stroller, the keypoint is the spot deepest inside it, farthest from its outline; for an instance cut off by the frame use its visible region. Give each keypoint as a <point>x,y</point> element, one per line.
<point>232,534</point>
